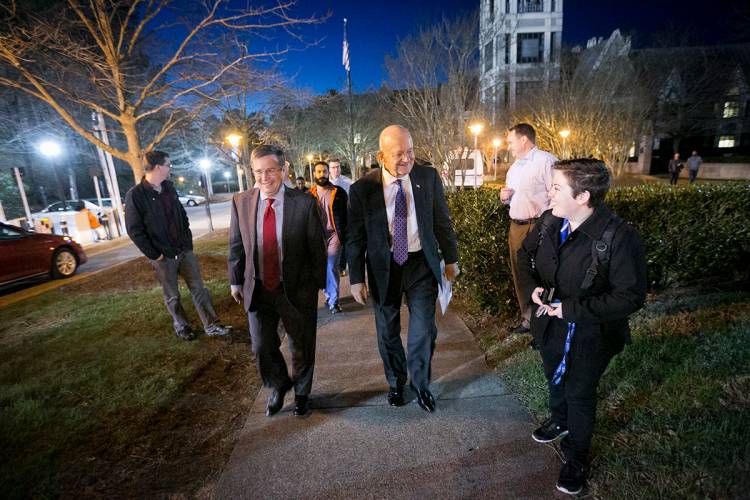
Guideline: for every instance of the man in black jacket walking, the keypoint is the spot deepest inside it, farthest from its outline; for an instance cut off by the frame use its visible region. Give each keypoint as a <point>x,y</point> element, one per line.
<point>159,227</point>
<point>584,270</point>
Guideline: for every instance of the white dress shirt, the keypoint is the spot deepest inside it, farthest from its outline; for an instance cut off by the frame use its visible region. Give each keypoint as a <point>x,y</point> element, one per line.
<point>343,182</point>
<point>278,208</point>
<point>390,188</point>
<point>530,178</point>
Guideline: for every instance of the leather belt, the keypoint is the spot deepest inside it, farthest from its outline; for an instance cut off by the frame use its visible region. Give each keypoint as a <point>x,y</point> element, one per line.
<point>524,222</point>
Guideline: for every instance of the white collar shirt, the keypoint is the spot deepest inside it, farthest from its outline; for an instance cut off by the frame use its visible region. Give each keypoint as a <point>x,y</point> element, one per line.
<point>278,208</point>
<point>390,188</point>
<point>343,182</point>
<point>530,178</point>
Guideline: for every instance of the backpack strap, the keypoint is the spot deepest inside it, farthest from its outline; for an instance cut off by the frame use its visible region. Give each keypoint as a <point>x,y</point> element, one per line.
<point>601,251</point>
<point>543,224</point>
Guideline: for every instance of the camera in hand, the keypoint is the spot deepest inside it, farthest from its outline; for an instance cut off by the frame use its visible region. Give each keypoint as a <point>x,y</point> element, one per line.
<point>548,294</point>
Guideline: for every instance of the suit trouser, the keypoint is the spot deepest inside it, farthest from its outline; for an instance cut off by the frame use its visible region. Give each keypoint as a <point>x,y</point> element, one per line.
<point>300,324</point>
<point>185,265</point>
<point>416,280</point>
<point>572,403</point>
<point>516,234</point>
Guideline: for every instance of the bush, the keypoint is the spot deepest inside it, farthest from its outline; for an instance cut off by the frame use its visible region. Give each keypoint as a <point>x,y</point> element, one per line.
<point>691,234</point>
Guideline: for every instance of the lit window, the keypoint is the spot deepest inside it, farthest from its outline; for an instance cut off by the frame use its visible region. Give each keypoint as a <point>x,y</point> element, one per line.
<point>631,151</point>
<point>489,55</point>
<point>731,109</point>
<point>726,141</point>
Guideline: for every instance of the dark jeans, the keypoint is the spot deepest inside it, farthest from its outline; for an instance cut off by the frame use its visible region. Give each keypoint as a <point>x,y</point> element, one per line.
<point>573,402</point>
<point>268,307</point>
<point>415,279</point>
<point>673,178</point>
<point>185,265</point>
<point>693,174</point>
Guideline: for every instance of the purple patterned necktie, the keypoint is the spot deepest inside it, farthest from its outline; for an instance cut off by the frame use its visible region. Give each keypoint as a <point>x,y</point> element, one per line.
<point>400,237</point>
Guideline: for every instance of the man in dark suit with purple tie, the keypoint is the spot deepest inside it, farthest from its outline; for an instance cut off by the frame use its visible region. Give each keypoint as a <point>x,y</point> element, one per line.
<point>277,263</point>
<point>399,229</point>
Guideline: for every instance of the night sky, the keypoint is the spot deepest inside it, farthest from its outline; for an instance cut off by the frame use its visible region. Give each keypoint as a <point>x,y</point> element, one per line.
<point>376,26</point>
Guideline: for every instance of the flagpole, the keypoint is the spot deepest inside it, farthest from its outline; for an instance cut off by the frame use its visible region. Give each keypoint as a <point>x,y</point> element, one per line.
<point>351,110</point>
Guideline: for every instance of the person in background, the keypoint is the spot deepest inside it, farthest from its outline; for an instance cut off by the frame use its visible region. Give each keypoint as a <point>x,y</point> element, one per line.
<point>527,183</point>
<point>694,163</point>
<point>675,166</point>
<point>159,227</point>
<point>300,184</point>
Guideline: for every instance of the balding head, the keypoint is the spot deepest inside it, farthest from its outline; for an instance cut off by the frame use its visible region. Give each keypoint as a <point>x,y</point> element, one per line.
<point>396,150</point>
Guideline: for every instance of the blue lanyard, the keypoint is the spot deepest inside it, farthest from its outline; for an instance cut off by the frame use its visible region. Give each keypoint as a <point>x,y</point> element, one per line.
<point>560,371</point>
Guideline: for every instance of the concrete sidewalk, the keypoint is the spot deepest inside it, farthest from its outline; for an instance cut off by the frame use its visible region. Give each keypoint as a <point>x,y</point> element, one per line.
<point>354,445</point>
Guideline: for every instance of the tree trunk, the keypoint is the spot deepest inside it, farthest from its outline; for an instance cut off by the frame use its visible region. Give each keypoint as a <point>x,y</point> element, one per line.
<point>135,152</point>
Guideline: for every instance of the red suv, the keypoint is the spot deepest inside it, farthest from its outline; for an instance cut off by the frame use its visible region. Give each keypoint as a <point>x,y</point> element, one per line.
<point>24,254</point>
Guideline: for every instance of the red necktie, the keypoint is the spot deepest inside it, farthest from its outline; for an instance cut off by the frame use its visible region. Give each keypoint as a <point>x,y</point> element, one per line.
<point>271,273</point>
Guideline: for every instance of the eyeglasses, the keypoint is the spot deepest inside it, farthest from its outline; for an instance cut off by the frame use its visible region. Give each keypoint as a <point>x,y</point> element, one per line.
<point>266,173</point>
<point>397,156</point>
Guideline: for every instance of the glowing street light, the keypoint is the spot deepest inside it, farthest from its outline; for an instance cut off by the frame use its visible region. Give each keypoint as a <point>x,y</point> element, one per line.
<point>234,141</point>
<point>564,133</point>
<point>476,129</point>
<point>204,163</point>
<point>51,150</point>
<point>181,179</point>
<point>226,179</point>
<point>309,166</point>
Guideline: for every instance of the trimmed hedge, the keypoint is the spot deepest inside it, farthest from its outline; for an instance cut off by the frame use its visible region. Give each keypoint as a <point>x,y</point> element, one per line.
<point>690,233</point>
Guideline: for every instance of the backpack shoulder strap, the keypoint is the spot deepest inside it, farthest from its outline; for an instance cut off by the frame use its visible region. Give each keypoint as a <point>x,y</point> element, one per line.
<point>601,251</point>
<point>543,224</point>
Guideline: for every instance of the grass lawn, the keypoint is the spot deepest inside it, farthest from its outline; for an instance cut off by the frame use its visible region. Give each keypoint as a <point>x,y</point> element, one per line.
<point>672,420</point>
<point>99,398</point>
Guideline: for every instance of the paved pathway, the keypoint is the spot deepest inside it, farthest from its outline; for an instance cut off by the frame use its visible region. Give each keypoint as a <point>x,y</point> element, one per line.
<point>353,445</point>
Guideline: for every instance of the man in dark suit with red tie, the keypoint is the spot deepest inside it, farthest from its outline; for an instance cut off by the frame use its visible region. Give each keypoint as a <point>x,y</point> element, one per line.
<point>399,228</point>
<point>277,263</point>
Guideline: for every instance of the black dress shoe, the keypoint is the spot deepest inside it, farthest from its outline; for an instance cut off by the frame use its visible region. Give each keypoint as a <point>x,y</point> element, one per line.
<point>301,408</point>
<point>276,400</point>
<point>425,400</point>
<point>396,396</point>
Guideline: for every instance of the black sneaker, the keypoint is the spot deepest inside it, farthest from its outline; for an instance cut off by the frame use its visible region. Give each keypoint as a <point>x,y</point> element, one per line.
<point>335,308</point>
<point>549,431</point>
<point>519,329</point>
<point>572,477</point>
<point>185,334</point>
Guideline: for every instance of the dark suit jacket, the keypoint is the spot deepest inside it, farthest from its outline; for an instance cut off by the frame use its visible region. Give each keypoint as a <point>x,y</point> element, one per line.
<point>304,255</point>
<point>368,239</point>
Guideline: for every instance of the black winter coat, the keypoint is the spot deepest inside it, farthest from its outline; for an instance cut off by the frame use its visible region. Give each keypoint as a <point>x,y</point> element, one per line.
<point>601,309</point>
<point>147,225</point>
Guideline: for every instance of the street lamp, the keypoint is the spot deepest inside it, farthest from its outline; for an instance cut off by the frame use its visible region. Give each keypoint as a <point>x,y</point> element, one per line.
<point>205,165</point>
<point>51,150</point>
<point>496,142</point>
<point>234,141</point>
<point>226,179</point>
<point>564,133</point>
<point>476,129</point>
<point>181,179</point>
<point>309,166</point>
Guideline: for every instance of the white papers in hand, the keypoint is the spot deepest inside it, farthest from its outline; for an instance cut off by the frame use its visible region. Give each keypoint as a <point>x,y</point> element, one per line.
<point>445,290</point>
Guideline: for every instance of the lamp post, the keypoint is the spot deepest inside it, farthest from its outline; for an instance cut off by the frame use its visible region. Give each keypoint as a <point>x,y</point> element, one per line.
<point>564,133</point>
<point>309,166</point>
<point>51,150</point>
<point>205,165</point>
<point>226,179</point>
<point>476,129</point>
<point>234,141</point>
<point>495,144</point>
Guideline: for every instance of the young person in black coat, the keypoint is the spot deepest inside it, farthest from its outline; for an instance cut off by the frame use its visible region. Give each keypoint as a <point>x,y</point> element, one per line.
<point>579,323</point>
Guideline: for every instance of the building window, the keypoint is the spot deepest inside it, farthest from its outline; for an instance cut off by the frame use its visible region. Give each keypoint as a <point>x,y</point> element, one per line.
<point>489,55</point>
<point>726,141</point>
<point>506,94</point>
<point>731,109</point>
<point>530,48</point>
<point>525,6</point>
<point>552,6</point>
<point>507,6</point>
<point>552,47</point>
<point>491,4</point>
<point>507,48</point>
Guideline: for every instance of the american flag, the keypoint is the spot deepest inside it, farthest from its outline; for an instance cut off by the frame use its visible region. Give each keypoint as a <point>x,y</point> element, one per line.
<point>345,56</point>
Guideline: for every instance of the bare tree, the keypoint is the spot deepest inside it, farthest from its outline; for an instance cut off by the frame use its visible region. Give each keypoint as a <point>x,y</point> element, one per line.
<point>434,85</point>
<point>602,102</point>
<point>132,60</point>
